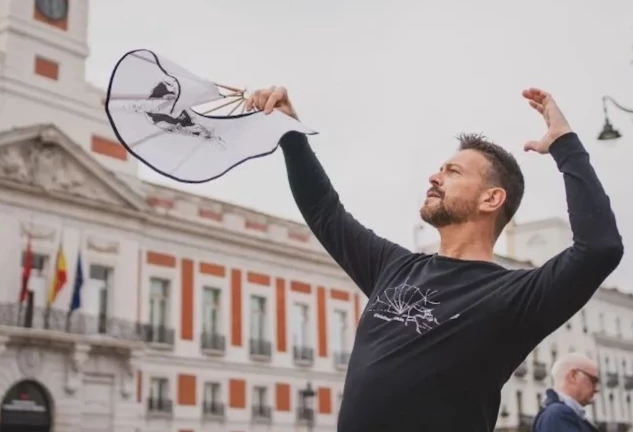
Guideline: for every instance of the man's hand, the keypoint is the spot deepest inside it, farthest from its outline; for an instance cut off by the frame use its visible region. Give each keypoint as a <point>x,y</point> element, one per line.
<point>557,125</point>
<point>269,99</point>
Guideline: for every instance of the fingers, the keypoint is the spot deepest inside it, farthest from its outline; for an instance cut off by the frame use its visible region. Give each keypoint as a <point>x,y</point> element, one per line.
<point>537,106</point>
<point>535,94</point>
<point>266,100</point>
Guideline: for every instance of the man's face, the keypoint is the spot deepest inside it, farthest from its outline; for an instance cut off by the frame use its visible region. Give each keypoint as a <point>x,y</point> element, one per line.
<point>455,191</point>
<point>585,381</point>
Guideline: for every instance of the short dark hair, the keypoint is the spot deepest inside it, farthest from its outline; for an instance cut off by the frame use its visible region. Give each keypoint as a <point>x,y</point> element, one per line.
<point>504,172</point>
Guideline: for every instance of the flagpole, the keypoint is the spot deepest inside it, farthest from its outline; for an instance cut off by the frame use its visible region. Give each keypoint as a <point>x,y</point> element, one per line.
<point>75,299</point>
<point>26,276</point>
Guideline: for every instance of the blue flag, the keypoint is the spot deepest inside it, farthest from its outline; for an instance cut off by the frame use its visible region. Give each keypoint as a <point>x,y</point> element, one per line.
<point>75,302</point>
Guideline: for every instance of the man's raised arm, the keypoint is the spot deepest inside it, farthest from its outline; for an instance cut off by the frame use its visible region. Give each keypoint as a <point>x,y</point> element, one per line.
<point>550,295</point>
<point>362,254</point>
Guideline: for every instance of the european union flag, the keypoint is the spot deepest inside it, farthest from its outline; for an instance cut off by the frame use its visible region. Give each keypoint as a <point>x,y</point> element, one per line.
<point>75,302</point>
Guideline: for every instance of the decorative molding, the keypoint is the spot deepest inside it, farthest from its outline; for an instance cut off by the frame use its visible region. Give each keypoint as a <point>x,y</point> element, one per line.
<point>103,246</point>
<point>38,232</point>
<point>77,359</point>
<point>49,167</point>
<point>29,359</point>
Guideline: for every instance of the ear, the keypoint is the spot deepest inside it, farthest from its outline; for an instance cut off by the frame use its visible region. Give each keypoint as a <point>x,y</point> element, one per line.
<point>492,200</point>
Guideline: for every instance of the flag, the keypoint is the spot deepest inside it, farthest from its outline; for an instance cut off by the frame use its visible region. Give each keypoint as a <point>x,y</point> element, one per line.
<point>26,270</point>
<point>75,302</point>
<point>59,278</point>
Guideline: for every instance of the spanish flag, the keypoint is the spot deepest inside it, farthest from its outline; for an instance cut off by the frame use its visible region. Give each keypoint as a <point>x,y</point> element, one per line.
<point>59,277</point>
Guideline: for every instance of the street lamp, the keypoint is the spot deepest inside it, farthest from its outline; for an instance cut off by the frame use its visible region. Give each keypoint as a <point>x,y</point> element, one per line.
<point>609,133</point>
<point>308,404</point>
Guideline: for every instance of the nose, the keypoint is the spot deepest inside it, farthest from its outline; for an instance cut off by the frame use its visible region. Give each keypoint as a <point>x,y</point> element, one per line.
<point>436,179</point>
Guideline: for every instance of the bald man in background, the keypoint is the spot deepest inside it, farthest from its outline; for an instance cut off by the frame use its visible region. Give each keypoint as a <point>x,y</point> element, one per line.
<point>575,384</point>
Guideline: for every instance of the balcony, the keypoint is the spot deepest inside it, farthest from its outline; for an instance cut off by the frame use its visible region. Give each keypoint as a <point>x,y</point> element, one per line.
<point>521,371</point>
<point>341,359</point>
<point>305,415</point>
<point>262,413</point>
<point>525,423</point>
<point>159,336</point>
<point>628,382</point>
<point>212,410</point>
<point>260,349</point>
<point>540,371</point>
<point>160,407</point>
<point>212,343</point>
<point>604,426</point>
<point>612,379</point>
<point>303,355</point>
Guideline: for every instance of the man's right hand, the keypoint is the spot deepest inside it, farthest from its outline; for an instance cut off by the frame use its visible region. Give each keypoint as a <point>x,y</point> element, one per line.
<point>269,99</point>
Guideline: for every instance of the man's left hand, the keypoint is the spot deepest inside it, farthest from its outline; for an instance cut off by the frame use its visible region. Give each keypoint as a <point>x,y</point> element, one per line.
<point>557,124</point>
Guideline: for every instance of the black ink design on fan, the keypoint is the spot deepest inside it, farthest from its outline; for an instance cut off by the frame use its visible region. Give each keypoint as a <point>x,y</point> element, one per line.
<point>183,124</point>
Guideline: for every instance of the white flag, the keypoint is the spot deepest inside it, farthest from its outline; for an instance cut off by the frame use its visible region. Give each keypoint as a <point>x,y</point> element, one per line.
<point>150,105</point>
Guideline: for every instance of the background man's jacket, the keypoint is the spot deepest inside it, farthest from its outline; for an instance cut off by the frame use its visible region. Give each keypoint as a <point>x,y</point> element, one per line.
<point>555,416</point>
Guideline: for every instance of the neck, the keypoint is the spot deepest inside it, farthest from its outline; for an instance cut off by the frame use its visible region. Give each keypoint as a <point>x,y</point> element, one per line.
<point>567,391</point>
<point>467,242</point>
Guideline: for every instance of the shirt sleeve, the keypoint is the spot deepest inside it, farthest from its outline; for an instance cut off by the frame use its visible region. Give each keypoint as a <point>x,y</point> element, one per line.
<point>361,253</point>
<point>543,299</point>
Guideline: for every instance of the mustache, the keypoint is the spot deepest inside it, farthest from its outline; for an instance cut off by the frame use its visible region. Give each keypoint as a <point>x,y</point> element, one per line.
<point>435,191</point>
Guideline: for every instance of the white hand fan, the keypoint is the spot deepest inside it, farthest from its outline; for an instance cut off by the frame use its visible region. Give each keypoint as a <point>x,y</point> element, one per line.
<point>155,109</point>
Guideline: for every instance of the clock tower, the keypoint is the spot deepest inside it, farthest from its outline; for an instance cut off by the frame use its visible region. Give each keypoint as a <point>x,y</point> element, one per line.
<point>43,53</point>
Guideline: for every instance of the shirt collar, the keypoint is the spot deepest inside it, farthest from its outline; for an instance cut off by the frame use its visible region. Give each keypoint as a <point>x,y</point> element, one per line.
<point>572,403</point>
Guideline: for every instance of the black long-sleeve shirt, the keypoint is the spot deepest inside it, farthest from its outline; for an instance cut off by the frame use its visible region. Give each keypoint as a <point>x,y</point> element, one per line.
<point>440,336</point>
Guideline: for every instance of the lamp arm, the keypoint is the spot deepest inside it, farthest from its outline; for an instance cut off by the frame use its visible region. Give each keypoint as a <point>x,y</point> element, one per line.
<point>614,102</point>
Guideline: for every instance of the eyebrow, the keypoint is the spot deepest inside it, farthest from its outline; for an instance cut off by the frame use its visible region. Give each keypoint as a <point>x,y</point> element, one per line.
<point>452,165</point>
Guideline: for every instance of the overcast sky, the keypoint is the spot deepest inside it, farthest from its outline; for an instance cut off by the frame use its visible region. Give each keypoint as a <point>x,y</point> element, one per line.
<point>389,84</point>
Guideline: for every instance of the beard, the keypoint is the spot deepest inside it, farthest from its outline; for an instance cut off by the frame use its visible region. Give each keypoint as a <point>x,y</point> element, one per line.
<point>440,211</point>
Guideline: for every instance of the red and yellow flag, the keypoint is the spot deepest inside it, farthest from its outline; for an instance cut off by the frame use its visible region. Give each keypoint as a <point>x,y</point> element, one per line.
<point>59,277</point>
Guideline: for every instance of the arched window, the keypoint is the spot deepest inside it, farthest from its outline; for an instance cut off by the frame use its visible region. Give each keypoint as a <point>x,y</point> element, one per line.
<point>28,404</point>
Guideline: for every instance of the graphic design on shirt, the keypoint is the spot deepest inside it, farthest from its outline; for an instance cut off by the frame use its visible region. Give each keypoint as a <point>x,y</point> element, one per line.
<point>407,304</point>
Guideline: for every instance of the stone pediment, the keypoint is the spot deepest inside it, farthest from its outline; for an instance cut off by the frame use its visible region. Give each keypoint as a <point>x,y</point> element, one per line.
<point>47,160</point>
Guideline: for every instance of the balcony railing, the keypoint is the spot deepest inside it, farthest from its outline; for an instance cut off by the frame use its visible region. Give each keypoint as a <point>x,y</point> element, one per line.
<point>260,348</point>
<point>262,412</point>
<point>40,318</point>
<point>212,342</point>
<point>157,334</point>
<point>303,354</point>
<point>160,405</point>
<point>305,414</point>
<point>213,409</point>
<point>540,371</point>
<point>341,358</point>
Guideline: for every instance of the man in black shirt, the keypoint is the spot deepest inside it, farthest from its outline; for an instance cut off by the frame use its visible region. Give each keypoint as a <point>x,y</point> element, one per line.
<point>442,333</point>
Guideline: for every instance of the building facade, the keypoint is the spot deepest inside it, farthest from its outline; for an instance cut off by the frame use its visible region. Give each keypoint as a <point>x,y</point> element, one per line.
<point>195,314</point>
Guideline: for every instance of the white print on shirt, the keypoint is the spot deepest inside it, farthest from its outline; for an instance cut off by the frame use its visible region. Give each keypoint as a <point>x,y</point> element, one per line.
<point>407,304</point>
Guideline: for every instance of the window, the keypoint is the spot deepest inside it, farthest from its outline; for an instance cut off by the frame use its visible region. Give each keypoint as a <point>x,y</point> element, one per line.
<point>301,326</point>
<point>211,311</point>
<point>258,318</point>
<point>39,263</point>
<point>96,300</point>
<point>260,396</point>
<point>519,402</point>
<point>38,281</point>
<point>601,321</point>
<point>212,393</point>
<point>539,401</point>
<point>340,331</point>
<point>583,317</point>
<point>159,302</point>
<point>618,327</point>
<point>159,389</point>
<point>554,354</point>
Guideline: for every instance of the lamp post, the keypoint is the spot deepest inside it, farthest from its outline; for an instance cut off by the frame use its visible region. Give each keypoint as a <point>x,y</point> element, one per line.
<point>308,405</point>
<point>609,133</point>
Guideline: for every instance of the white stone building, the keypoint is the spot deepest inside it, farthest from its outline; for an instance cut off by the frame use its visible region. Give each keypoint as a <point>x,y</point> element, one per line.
<point>195,314</point>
